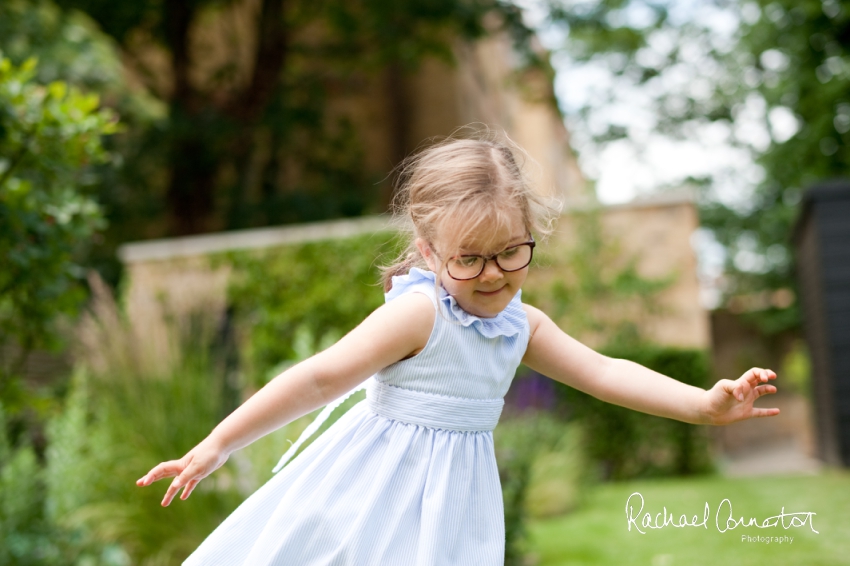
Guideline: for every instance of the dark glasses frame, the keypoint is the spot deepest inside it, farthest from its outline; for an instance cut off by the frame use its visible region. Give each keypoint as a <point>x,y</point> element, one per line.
<point>495,257</point>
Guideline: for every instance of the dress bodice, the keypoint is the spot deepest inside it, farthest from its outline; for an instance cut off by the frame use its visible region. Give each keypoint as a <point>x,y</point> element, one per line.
<point>466,356</point>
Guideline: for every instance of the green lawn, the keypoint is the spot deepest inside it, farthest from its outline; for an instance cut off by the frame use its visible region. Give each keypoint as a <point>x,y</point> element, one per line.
<point>598,532</point>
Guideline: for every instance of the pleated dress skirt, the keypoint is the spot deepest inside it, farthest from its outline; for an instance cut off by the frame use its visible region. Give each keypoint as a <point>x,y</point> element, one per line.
<point>404,478</point>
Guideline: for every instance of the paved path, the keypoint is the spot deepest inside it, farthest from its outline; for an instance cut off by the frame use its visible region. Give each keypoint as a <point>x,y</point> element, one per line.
<point>770,461</point>
<point>784,444</point>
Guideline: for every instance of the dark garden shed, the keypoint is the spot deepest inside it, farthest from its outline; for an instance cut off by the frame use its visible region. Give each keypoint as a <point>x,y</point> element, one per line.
<point>822,242</point>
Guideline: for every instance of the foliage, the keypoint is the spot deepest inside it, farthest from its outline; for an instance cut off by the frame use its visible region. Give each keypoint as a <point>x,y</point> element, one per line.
<point>796,55</point>
<point>29,532</point>
<point>588,286</point>
<point>49,137</point>
<point>70,47</point>
<point>251,136</point>
<point>107,437</point>
<point>67,45</point>
<point>127,410</point>
<point>796,370</point>
<point>541,468</point>
<point>769,77</point>
<point>23,532</point>
<point>323,289</point>
<point>627,444</point>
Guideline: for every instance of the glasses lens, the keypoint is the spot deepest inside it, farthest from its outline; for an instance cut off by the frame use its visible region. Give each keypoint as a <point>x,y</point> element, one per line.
<point>465,267</point>
<point>515,258</point>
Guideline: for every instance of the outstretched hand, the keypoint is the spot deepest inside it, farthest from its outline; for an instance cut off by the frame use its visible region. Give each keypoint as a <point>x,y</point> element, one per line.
<point>198,463</point>
<point>730,401</point>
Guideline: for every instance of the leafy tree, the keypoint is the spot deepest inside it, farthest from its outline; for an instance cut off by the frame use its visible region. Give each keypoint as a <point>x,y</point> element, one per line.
<point>70,47</point>
<point>49,137</point>
<point>67,45</point>
<point>250,142</point>
<point>771,76</point>
<point>796,55</point>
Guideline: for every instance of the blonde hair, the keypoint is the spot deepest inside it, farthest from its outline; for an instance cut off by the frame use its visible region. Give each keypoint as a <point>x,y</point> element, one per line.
<point>457,186</point>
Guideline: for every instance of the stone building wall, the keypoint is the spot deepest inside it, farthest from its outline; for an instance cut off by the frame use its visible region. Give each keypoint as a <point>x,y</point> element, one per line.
<point>658,232</point>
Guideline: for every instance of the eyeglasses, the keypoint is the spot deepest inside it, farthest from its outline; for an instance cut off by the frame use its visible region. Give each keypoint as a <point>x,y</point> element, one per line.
<point>513,258</point>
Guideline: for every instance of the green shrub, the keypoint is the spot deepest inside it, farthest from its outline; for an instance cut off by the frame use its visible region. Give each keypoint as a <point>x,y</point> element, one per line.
<point>114,428</point>
<point>50,135</point>
<point>126,412</point>
<point>627,444</point>
<point>25,535</point>
<point>30,533</point>
<point>322,288</point>
<point>542,471</point>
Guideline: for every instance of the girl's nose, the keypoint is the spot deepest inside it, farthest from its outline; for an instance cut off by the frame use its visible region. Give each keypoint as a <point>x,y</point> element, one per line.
<point>491,272</point>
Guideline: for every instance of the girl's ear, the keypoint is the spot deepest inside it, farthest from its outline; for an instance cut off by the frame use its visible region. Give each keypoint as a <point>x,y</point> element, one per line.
<point>427,253</point>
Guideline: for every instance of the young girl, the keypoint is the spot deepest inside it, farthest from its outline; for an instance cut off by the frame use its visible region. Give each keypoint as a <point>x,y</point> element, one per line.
<point>408,476</point>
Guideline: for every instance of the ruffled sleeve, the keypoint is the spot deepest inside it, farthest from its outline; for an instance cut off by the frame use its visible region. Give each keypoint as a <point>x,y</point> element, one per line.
<point>510,322</point>
<point>418,280</point>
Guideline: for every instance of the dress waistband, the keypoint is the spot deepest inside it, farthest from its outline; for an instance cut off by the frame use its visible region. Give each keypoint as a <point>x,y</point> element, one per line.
<point>431,410</point>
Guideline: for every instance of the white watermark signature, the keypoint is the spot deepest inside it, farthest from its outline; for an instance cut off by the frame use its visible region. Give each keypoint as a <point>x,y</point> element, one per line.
<point>767,540</point>
<point>724,520</point>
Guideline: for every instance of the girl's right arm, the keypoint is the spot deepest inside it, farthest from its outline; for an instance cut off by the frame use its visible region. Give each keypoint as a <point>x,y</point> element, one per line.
<point>394,331</point>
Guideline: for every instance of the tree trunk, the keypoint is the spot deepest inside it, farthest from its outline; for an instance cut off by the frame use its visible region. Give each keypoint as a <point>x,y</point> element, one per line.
<point>194,148</point>
<point>399,115</point>
<point>192,183</point>
<point>269,61</point>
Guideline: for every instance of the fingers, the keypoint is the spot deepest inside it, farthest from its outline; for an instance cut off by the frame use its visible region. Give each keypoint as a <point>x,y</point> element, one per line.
<point>169,495</point>
<point>759,412</point>
<point>765,412</point>
<point>163,470</point>
<point>738,389</point>
<point>751,380</point>
<point>187,491</point>
<point>764,390</point>
<point>172,491</point>
<point>187,473</point>
<point>181,481</point>
<point>759,375</point>
<point>169,469</point>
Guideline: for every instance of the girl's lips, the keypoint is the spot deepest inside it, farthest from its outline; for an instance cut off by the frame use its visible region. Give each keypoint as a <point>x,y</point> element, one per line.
<point>491,293</point>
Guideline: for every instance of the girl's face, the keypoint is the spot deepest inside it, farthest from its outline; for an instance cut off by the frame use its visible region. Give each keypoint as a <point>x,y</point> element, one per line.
<point>488,294</point>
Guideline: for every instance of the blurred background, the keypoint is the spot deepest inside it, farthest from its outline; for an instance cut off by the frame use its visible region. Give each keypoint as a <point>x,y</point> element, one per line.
<point>194,196</point>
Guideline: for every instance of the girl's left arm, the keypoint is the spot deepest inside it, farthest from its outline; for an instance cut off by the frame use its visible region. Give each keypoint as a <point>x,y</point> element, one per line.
<point>555,354</point>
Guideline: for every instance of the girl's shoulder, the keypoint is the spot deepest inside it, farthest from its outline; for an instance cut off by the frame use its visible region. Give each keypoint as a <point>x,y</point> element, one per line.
<point>416,282</point>
<point>412,297</point>
<point>535,317</point>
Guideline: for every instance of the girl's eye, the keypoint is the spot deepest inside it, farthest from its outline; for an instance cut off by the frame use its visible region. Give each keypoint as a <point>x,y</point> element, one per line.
<point>466,261</point>
<point>507,254</point>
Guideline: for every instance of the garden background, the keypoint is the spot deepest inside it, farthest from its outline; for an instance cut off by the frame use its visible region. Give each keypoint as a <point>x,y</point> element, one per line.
<point>160,124</point>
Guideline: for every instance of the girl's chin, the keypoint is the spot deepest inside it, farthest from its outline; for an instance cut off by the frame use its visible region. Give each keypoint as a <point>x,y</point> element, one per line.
<point>490,312</point>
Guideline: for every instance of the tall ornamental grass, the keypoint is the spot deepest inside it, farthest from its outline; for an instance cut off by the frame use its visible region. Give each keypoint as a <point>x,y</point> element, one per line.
<point>131,407</point>
<point>123,415</point>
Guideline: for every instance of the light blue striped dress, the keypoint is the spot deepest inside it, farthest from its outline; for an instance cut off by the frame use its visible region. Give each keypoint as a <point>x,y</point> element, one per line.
<point>406,477</point>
